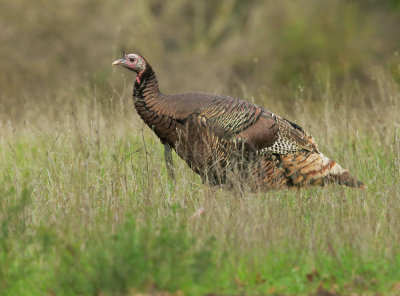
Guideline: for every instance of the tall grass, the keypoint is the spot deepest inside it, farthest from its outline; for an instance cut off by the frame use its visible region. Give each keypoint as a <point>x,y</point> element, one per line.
<point>87,208</point>
<point>86,205</point>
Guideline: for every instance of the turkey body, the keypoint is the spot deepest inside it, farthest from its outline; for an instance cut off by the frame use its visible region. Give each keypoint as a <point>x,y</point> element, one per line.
<point>226,140</point>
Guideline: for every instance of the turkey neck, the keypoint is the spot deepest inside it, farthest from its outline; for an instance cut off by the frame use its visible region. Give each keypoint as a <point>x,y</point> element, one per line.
<point>146,85</point>
<point>149,104</point>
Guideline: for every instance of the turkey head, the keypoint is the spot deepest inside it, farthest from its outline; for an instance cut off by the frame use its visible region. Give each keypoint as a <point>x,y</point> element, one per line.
<point>133,62</point>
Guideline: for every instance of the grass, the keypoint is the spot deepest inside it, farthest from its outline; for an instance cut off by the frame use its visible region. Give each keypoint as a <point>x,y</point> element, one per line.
<point>87,209</point>
<point>86,206</point>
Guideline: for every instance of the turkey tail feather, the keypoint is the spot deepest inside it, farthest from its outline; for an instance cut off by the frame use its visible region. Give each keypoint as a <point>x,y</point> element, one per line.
<point>347,179</point>
<point>343,177</point>
<point>315,168</point>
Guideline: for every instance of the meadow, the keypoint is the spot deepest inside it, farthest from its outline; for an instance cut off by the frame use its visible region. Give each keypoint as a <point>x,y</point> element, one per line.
<point>87,207</point>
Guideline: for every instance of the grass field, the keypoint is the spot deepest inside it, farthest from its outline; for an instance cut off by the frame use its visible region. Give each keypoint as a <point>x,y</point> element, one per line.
<point>87,208</point>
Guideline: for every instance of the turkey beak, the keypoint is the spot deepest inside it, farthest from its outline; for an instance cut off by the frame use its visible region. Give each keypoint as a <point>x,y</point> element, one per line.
<point>118,62</point>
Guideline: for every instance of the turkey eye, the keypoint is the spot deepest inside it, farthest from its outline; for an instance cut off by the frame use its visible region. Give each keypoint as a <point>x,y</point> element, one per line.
<point>131,59</point>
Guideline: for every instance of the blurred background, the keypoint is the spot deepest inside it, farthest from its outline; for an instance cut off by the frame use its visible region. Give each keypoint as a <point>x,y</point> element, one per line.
<point>86,206</point>
<point>55,52</point>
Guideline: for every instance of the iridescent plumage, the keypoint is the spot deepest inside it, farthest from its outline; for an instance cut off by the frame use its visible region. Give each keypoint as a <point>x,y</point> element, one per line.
<point>227,140</point>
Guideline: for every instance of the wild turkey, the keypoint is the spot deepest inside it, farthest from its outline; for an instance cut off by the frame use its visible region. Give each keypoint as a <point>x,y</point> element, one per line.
<point>227,140</point>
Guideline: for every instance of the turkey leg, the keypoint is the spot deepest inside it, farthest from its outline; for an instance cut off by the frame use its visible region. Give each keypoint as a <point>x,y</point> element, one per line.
<point>169,161</point>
